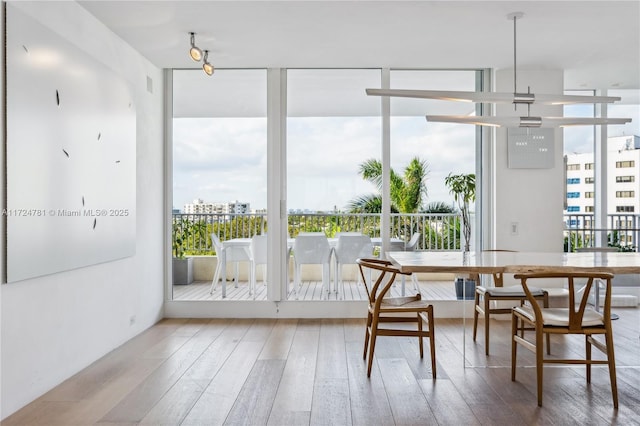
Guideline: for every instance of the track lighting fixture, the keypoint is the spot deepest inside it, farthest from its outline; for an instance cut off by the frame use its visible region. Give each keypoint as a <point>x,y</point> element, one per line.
<point>195,52</point>
<point>206,66</point>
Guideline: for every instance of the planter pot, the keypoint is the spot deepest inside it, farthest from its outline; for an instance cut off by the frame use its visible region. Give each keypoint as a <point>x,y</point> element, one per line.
<point>182,271</point>
<point>469,287</point>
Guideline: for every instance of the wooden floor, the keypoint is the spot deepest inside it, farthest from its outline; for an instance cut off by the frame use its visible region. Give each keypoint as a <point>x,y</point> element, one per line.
<point>311,372</point>
<point>309,290</point>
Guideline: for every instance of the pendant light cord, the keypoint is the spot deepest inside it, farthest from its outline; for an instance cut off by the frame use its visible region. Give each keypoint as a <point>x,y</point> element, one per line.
<point>515,74</point>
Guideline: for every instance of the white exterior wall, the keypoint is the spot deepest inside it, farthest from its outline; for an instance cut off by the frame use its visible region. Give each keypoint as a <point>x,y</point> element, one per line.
<point>56,325</point>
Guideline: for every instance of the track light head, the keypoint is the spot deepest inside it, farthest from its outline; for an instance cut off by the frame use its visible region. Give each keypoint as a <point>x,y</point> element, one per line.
<point>206,66</point>
<point>195,52</point>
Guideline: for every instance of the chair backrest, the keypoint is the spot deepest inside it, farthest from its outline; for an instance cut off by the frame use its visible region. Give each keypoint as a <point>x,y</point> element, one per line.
<point>352,247</point>
<point>258,249</point>
<point>216,243</point>
<point>233,254</point>
<point>413,242</point>
<point>340,234</point>
<point>376,290</point>
<point>576,310</point>
<point>311,248</point>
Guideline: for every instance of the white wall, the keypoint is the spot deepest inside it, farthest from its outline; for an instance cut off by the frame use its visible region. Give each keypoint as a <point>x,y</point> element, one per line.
<point>56,325</point>
<point>532,198</point>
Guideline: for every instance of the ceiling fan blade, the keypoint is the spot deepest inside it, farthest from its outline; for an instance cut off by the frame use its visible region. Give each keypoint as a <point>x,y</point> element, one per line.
<point>492,97</point>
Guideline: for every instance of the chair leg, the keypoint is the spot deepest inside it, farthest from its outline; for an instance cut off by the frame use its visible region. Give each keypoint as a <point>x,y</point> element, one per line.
<point>372,344</point>
<point>416,285</point>
<point>545,301</point>
<point>252,278</point>
<point>611,359</point>
<point>216,277</point>
<point>420,342</point>
<point>326,280</point>
<point>539,365</point>
<point>297,281</point>
<point>514,345</point>
<point>487,301</point>
<point>366,336</point>
<point>476,301</point>
<point>587,356</point>
<point>432,342</point>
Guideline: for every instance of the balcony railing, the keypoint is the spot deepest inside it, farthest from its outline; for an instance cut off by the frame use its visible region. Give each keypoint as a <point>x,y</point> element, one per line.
<point>621,230</point>
<point>439,231</point>
<point>192,231</point>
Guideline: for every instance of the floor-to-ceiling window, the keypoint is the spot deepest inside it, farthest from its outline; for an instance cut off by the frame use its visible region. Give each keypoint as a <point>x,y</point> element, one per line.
<point>442,148</point>
<point>333,142</point>
<point>618,193</point>
<point>219,173</point>
<point>333,128</point>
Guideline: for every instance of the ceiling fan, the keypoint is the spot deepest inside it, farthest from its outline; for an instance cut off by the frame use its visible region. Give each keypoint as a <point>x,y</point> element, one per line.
<point>517,98</point>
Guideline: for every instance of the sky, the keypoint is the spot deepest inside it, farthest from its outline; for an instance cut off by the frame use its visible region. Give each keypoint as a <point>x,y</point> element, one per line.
<point>226,159</point>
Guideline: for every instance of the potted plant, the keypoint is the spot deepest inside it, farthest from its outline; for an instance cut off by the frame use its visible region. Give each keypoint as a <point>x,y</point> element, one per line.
<point>182,265</point>
<point>463,187</point>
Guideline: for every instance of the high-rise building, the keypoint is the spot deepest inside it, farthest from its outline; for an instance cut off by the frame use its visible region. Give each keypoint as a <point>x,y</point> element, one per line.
<point>623,178</point>
<point>623,187</point>
<point>200,207</point>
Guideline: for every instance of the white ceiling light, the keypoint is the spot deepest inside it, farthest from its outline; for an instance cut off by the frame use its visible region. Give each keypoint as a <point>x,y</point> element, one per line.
<point>516,98</point>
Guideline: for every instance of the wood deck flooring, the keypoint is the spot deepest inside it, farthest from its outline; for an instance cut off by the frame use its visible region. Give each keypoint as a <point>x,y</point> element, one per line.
<point>310,290</point>
<point>311,372</point>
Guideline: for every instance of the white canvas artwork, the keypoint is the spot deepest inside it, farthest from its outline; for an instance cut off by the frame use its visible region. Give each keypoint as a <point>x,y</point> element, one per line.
<point>71,155</point>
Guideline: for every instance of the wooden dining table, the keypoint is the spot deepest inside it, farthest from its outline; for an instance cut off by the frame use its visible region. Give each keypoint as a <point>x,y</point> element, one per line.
<point>489,262</point>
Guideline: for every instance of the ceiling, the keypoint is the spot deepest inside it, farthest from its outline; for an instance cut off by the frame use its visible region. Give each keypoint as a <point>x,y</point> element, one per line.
<point>597,43</point>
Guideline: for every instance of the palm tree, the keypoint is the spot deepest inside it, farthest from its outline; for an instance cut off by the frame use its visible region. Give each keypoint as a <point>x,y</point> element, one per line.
<point>407,192</point>
<point>439,207</point>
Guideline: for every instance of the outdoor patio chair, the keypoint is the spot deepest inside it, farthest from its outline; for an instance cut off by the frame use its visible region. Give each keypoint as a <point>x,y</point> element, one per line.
<point>312,249</point>
<point>225,255</point>
<point>258,257</point>
<point>410,245</point>
<point>348,250</point>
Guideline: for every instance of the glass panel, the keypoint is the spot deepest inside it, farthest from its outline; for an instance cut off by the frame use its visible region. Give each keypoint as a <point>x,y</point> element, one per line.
<point>445,148</point>
<point>623,148</point>
<point>219,176</point>
<point>332,128</point>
